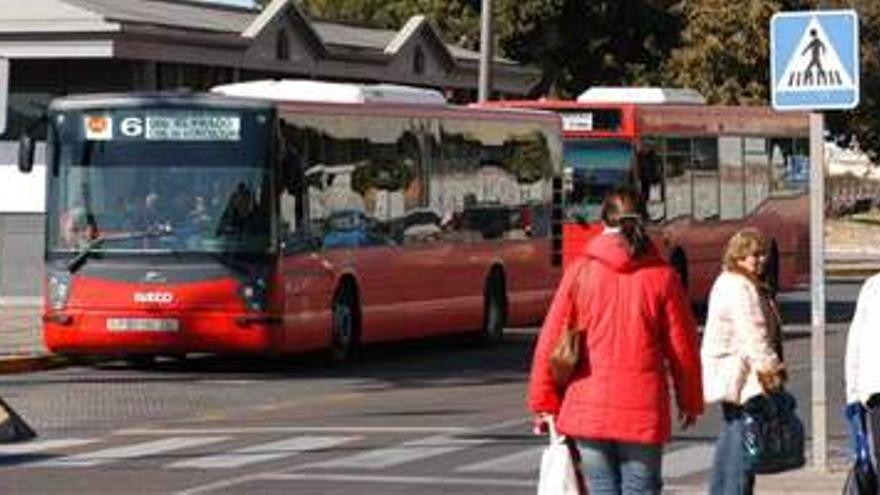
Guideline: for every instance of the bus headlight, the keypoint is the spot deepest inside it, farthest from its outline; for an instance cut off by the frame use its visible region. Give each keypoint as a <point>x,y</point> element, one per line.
<point>59,290</point>
<point>254,294</point>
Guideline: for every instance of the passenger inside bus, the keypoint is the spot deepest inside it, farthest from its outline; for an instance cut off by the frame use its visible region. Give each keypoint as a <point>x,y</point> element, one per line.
<point>78,226</point>
<point>150,214</point>
<point>239,215</point>
<point>649,174</point>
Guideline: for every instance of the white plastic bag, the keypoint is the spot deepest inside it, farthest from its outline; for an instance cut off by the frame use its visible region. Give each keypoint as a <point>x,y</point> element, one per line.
<point>558,475</point>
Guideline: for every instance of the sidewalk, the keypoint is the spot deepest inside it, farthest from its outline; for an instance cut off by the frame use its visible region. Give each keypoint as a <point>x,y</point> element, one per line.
<point>21,343</point>
<point>802,481</point>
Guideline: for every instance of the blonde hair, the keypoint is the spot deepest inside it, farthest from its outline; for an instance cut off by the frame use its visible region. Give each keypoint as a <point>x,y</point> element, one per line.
<point>741,244</point>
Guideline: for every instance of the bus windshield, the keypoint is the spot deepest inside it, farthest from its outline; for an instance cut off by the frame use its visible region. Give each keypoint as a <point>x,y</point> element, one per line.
<point>159,180</point>
<point>597,165</point>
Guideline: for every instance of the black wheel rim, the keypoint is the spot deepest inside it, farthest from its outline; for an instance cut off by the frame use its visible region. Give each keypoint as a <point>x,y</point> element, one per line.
<point>494,323</point>
<point>343,328</point>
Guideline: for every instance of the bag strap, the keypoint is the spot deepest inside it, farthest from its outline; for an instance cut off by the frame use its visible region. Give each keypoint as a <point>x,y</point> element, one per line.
<point>555,437</point>
<point>574,292</point>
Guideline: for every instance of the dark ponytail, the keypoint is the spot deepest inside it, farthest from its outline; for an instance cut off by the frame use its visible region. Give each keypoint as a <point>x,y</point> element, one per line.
<point>621,209</point>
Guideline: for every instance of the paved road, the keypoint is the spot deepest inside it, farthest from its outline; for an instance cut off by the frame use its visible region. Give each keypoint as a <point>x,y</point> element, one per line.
<point>436,417</point>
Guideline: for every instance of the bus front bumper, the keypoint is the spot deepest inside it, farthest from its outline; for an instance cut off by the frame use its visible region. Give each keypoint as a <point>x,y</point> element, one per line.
<point>112,333</point>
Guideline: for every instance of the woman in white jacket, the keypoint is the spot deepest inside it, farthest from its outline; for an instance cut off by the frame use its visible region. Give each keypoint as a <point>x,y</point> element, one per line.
<point>862,368</point>
<point>741,352</point>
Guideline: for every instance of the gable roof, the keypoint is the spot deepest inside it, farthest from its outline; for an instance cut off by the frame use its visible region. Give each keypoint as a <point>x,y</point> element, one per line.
<point>170,13</point>
<point>207,24</point>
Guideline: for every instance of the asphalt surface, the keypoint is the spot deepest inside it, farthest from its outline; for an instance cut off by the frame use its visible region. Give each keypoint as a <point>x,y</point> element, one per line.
<point>436,417</point>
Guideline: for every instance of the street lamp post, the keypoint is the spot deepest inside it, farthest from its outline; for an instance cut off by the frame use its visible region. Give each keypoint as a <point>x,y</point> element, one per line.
<point>486,37</point>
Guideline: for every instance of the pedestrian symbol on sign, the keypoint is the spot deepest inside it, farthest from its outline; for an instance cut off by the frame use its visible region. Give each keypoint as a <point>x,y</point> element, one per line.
<point>814,60</point>
<point>815,64</point>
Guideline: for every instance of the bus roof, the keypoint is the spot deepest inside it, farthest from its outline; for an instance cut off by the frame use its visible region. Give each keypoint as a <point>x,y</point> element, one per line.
<point>328,92</point>
<point>642,95</point>
<point>136,100</point>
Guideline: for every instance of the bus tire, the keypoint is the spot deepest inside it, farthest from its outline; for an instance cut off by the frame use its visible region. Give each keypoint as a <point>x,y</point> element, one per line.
<point>345,331</point>
<point>771,268</point>
<point>140,361</point>
<point>679,263</point>
<point>494,309</point>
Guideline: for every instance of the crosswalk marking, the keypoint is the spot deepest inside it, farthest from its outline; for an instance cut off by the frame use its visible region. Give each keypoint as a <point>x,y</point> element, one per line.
<point>526,461</point>
<point>683,459</point>
<point>687,461</point>
<point>263,452</point>
<point>37,446</point>
<point>401,480</point>
<point>128,452</point>
<point>400,454</point>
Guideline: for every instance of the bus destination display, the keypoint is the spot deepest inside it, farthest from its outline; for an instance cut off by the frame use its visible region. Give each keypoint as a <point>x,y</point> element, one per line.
<point>163,127</point>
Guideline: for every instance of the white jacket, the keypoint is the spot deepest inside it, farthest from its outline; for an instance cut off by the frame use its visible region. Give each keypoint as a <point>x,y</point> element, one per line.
<point>736,344</point>
<point>862,362</point>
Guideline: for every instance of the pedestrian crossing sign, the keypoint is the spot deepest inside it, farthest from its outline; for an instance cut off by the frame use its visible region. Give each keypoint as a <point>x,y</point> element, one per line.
<point>814,60</point>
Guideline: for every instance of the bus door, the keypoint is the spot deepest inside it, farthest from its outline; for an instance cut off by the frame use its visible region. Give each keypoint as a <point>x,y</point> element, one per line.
<point>307,278</point>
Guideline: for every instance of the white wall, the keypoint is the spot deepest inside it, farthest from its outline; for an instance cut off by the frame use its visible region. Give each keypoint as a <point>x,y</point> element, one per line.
<point>21,193</point>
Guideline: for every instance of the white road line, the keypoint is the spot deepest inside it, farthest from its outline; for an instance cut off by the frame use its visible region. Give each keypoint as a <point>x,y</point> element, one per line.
<point>291,429</point>
<point>400,480</point>
<point>36,446</point>
<point>527,461</point>
<point>399,454</point>
<point>263,452</point>
<point>128,452</point>
<point>689,460</point>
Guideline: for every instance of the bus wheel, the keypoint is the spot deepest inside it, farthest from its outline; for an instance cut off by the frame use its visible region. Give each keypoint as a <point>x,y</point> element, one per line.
<point>344,339</point>
<point>140,361</point>
<point>494,310</point>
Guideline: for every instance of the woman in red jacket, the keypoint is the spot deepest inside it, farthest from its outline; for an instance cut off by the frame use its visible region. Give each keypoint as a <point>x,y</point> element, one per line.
<point>636,323</point>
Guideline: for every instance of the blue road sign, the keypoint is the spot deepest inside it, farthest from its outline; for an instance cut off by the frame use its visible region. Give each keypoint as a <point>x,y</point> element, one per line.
<point>814,60</point>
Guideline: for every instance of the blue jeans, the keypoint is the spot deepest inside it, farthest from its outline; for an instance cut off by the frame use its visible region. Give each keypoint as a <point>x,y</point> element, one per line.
<point>622,468</point>
<point>729,476</point>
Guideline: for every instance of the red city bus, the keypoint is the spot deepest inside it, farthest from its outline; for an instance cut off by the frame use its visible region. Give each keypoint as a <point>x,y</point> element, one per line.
<point>704,171</point>
<point>319,216</point>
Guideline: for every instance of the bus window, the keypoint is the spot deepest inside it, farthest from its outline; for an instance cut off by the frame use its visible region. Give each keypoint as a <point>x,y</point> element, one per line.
<point>677,164</point>
<point>757,172</point>
<point>652,186</point>
<point>705,176</point>
<point>789,165</point>
<point>731,172</point>
<point>597,166</point>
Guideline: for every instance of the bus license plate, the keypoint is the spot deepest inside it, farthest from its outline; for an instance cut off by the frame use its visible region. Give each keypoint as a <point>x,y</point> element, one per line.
<point>143,324</point>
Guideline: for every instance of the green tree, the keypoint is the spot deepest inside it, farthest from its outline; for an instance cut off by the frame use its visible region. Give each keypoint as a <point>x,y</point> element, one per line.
<point>725,49</point>
<point>579,44</point>
<point>863,123</point>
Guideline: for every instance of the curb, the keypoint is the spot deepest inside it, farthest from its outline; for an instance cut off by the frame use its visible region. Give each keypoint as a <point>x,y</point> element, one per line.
<point>25,364</point>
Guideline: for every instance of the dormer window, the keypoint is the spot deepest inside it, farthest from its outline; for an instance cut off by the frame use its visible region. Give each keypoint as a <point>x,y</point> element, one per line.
<point>419,61</point>
<point>282,46</point>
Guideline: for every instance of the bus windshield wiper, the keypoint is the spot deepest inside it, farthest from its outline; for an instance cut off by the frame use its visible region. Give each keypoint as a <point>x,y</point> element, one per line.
<point>83,254</point>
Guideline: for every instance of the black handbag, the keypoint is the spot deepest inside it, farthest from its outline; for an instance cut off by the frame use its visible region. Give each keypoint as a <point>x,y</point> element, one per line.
<point>773,435</point>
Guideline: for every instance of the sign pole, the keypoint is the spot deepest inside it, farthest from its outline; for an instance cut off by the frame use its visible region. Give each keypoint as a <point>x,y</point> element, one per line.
<point>484,91</point>
<point>814,66</point>
<point>4,92</point>
<point>817,282</point>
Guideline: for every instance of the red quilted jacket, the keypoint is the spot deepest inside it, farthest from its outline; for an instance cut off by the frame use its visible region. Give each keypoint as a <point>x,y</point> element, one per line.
<point>637,325</point>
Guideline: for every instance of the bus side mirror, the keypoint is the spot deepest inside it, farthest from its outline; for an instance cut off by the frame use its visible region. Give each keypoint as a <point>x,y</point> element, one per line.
<point>25,153</point>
